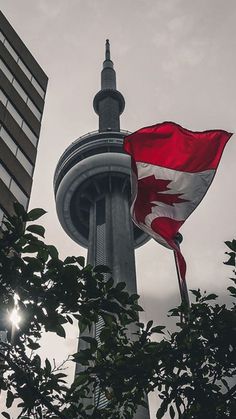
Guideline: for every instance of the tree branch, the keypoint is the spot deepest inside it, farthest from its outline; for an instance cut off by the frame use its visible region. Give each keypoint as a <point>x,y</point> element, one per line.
<point>28,381</point>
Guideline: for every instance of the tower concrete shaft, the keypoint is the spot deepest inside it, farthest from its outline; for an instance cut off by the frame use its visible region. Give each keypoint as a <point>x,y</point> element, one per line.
<point>92,189</point>
<point>111,233</point>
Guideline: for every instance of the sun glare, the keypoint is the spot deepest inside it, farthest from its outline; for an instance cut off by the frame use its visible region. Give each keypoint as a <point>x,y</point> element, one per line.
<point>15,317</point>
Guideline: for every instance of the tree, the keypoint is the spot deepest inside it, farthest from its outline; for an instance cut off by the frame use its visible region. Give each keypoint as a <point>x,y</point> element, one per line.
<point>192,369</point>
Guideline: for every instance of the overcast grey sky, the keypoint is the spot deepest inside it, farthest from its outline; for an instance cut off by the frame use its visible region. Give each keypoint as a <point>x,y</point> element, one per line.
<point>175,60</point>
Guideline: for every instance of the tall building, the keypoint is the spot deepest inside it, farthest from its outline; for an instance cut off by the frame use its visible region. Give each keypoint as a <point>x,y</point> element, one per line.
<point>92,190</point>
<point>22,91</point>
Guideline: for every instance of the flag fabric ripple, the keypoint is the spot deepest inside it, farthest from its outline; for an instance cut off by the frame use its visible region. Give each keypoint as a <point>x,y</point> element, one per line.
<point>172,169</point>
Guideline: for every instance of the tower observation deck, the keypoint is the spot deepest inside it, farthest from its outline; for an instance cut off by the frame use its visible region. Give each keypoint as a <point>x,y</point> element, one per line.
<point>92,191</point>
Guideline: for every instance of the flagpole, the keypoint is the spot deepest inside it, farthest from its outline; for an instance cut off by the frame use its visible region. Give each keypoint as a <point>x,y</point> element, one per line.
<point>182,281</point>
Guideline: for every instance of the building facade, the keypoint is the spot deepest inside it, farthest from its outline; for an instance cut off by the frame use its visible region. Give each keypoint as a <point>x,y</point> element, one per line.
<point>23,86</point>
<point>92,190</point>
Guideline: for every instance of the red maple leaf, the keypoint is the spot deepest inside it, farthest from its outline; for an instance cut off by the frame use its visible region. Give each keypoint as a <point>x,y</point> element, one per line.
<point>151,189</point>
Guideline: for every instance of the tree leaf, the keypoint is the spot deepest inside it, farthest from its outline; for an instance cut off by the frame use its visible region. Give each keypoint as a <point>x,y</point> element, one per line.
<point>92,341</point>
<point>108,319</point>
<point>35,213</point>
<point>70,259</point>
<point>137,307</point>
<point>39,411</point>
<point>69,319</point>
<point>31,248</point>
<point>82,325</point>
<point>231,245</point>
<point>83,357</point>
<point>232,290</point>
<point>81,261</point>
<point>210,297</point>
<point>48,366</point>
<point>81,379</point>
<point>19,210</point>
<point>53,252</point>
<point>10,399</point>
<point>231,260</point>
<point>102,269</point>
<point>158,329</point>
<point>197,293</point>
<point>149,325</point>
<point>120,286</point>
<point>60,331</point>
<point>109,283</point>
<point>33,345</point>
<point>36,229</point>
<point>172,412</point>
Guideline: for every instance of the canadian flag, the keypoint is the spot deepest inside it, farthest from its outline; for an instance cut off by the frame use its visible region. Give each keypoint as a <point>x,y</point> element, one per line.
<point>172,169</point>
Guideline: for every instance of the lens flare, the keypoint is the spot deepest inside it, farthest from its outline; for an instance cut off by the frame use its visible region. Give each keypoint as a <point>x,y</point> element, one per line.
<point>15,317</point>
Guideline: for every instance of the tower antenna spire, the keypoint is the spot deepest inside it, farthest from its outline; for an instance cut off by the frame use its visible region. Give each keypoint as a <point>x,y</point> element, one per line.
<point>107,52</point>
<point>108,102</point>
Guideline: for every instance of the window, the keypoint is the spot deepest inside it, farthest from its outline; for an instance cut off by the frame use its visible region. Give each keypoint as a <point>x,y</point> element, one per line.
<point>13,187</point>
<point>1,215</point>
<point>25,69</point>
<point>34,109</point>
<point>24,161</point>
<point>14,113</point>
<point>6,178</point>
<point>3,98</point>
<point>10,49</point>
<point>6,71</point>
<point>22,65</point>
<point>38,87</point>
<point>20,90</point>
<point>8,140</point>
<point>32,137</point>
<point>19,194</point>
<point>16,150</point>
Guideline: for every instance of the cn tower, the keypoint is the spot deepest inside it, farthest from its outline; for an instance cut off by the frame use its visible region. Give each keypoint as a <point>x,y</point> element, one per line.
<point>92,192</point>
